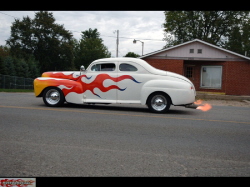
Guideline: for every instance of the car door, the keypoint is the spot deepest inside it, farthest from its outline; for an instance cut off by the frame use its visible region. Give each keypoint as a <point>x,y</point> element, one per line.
<point>100,83</point>
<point>132,78</point>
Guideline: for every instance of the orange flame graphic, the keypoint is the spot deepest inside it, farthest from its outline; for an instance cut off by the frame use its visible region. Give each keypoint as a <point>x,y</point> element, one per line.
<point>205,107</point>
<point>79,86</point>
<point>60,75</point>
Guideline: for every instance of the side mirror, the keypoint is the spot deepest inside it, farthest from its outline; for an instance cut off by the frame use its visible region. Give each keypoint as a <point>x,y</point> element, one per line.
<point>82,69</point>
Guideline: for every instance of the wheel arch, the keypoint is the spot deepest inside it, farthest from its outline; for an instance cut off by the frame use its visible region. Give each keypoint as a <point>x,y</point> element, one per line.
<point>158,92</point>
<point>42,92</point>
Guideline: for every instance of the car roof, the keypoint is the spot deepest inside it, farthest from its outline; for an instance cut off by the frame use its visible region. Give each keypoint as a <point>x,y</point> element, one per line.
<point>138,61</point>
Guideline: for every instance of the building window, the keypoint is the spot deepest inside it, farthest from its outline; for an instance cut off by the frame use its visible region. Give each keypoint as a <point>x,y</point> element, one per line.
<point>191,50</point>
<point>211,77</point>
<point>199,51</point>
<point>189,71</point>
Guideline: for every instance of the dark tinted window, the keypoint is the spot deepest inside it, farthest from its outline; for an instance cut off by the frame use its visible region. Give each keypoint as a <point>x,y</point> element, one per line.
<point>127,67</point>
<point>103,67</point>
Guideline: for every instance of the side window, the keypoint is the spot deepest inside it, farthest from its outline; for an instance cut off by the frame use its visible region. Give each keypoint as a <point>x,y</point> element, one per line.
<point>96,67</point>
<point>127,67</point>
<point>103,67</point>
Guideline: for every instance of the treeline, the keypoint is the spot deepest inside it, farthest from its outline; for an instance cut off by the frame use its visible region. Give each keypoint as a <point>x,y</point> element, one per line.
<point>38,45</point>
<point>13,66</point>
<point>226,29</point>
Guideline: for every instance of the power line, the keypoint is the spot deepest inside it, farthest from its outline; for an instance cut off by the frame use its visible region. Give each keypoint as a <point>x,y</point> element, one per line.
<point>134,38</point>
<point>9,15</point>
<point>144,39</point>
<point>100,35</point>
<point>126,37</point>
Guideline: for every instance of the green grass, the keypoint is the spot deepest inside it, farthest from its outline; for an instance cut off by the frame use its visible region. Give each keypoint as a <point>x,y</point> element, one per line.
<point>15,90</point>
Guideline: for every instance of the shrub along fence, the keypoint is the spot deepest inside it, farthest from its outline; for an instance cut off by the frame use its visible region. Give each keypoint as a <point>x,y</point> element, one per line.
<point>14,82</point>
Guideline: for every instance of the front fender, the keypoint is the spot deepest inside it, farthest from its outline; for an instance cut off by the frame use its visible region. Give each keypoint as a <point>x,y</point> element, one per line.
<point>179,92</point>
<point>65,85</point>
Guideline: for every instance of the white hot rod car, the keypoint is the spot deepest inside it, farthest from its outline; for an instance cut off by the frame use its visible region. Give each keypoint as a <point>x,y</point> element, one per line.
<point>116,80</point>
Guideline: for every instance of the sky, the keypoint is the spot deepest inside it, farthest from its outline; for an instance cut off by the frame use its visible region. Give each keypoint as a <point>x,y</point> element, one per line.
<point>145,26</point>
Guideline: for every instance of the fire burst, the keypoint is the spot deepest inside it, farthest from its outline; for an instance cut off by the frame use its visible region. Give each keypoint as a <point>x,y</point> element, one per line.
<point>204,107</point>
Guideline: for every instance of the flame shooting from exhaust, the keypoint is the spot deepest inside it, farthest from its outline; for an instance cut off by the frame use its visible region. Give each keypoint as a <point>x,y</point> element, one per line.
<point>198,102</point>
<point>204,107</point>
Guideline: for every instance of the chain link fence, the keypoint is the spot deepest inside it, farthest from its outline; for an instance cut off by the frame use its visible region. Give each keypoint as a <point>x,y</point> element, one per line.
<point>14,82</point>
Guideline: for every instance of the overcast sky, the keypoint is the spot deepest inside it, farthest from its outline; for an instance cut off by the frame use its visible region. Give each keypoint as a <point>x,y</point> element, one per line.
<point>140,25</point>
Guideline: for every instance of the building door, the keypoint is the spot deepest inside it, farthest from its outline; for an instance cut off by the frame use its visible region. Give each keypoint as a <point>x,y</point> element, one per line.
<point>189,72</point>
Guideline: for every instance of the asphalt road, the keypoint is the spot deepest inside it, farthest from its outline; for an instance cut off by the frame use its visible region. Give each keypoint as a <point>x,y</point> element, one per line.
<point>120,140</point>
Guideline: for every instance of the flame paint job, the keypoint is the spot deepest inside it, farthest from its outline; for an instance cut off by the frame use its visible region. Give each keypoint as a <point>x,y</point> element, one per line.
<point>61,75</point>
<point>77,86</point>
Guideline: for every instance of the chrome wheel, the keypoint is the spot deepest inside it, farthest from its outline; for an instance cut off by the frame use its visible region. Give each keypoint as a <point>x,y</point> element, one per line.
<point>53,97</point>
<point>159,103</point>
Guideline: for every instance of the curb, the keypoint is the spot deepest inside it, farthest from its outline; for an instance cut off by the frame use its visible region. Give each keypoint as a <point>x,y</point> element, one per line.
<point>222,97</point>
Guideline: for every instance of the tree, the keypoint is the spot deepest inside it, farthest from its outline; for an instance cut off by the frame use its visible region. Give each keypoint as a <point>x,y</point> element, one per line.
<point>239,39</point>
<point>33,67</point>
<point>215,27</point>
<point>11,65</point>
<point>2,66</point>
<point>90,48</point>
<point>49,43</point>
<point>131,54</point>
<point>8,63</point>
<point>245,39</point>
<point>4,51</point>
<point>22,68</point>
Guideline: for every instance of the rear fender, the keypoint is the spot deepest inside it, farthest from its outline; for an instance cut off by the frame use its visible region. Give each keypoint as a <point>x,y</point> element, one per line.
<point>179,92</point>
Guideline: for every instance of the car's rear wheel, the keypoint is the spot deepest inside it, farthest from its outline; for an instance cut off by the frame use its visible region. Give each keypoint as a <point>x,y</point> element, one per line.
<point>53,96</point>
<point>159,102</point>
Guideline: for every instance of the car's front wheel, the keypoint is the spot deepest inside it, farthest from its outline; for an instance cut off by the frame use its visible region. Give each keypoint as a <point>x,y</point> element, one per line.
<point>53,96</point>
<point>159,102</point>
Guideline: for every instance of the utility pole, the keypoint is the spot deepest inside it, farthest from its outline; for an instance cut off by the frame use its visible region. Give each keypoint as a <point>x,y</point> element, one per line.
<point>117,42</point>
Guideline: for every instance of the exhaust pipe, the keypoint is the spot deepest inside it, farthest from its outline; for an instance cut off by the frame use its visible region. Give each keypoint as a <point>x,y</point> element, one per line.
<point>193,106</point>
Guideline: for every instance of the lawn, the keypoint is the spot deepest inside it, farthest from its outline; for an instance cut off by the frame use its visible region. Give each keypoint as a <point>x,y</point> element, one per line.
<point>15,90</point>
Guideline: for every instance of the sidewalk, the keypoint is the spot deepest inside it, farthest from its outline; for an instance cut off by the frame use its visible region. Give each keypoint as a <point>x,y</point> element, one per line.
<point>221,96</point>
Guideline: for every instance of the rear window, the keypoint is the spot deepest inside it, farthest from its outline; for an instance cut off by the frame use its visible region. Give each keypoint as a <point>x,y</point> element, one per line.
<point>127,67</point>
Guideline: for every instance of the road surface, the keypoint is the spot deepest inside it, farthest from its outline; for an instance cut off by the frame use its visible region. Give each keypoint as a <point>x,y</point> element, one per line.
<point>120,140</point>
